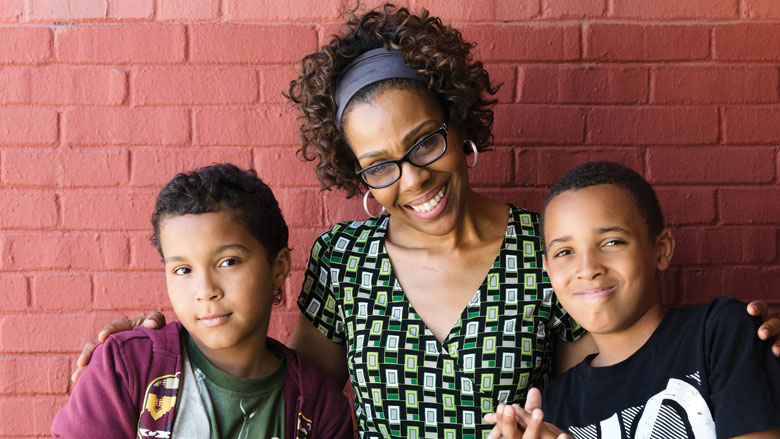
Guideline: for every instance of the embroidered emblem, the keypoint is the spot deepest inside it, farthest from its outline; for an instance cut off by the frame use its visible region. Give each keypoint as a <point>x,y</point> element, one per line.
<point>304,427</point>
<point>160,398</point>
<point>146,433</point>
<point>159,406</point>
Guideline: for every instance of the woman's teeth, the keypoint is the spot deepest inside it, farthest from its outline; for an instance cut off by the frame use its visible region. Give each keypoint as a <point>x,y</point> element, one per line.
<point>429,205</point>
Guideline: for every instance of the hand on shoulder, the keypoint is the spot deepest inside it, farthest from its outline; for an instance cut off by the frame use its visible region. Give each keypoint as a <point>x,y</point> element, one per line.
<point>770,329</point>
<point>155,320</point>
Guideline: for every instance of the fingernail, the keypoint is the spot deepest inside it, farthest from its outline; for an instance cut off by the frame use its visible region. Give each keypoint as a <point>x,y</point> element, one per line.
<point>537,414</point>
<point>764,333</point>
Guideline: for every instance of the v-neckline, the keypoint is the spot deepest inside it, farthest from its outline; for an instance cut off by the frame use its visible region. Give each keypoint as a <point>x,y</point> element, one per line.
<point>382,222</point>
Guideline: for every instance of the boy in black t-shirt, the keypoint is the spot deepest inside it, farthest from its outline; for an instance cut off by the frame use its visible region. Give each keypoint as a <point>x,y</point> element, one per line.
<point>688,372</point>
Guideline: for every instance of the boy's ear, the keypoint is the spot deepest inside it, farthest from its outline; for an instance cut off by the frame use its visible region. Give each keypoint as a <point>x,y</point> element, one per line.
<point>280,267</point>
<point>664,249</point>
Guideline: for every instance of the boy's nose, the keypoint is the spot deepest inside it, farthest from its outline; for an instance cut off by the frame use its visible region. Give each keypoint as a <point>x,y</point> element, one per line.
<point>590,265</point>
<point>208,289</point>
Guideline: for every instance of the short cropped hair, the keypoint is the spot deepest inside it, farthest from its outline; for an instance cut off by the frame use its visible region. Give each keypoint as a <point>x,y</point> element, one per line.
<point>224,186</point>
<point>596,173</point>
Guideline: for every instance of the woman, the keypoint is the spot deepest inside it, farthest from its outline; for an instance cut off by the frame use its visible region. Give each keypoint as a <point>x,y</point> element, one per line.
<point>439,308</point>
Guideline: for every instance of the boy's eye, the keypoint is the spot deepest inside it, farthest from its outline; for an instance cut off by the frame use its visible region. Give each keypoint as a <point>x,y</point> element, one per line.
<point>228,262</point>
<point>182,270</point>
<point>614,242</point>
<point>564,252</point>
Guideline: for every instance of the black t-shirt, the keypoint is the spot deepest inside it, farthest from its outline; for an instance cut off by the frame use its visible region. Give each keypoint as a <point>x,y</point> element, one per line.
<point>703,373</point>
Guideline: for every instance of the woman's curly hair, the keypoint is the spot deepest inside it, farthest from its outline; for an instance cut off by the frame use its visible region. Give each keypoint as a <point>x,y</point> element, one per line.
<point>438,52</point>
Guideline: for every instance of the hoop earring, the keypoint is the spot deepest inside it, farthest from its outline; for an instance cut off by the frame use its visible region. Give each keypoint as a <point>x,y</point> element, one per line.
<point>365,206</point>
<point>476,152</point>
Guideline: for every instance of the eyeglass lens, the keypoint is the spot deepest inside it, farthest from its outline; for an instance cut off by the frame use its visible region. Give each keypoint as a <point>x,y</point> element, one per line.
<point>422,153</point>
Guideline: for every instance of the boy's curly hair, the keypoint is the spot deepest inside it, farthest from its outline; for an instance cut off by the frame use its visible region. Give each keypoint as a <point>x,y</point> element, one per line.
<point>224,186</point>
<point>460,85</point>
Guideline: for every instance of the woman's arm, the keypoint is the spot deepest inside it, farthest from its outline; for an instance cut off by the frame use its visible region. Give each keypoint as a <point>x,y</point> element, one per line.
<point>328,355</point>
<point>569,353</point>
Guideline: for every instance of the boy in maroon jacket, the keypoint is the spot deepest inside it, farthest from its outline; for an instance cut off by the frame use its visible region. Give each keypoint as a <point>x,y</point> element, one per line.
<point>215,373</point>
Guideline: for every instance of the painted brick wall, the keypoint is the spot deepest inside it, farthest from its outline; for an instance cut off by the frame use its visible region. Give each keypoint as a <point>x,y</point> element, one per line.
<point>102,101</point>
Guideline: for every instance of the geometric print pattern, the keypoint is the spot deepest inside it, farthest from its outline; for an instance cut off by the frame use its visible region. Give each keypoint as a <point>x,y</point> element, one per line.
<point>409,385</point>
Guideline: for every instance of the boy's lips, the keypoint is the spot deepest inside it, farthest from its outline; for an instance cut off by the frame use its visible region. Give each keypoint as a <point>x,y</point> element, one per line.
<point>214,319</point>
<point>597,292</point>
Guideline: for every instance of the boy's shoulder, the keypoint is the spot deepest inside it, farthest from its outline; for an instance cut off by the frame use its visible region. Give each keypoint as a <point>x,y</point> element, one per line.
<point>165,340</point>
<point>708,324</point>
<point>128,369</point>
<point>715,308</point>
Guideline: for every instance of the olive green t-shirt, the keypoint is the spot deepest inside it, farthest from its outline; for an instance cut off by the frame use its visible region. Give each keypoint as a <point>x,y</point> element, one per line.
<point>239,407</point>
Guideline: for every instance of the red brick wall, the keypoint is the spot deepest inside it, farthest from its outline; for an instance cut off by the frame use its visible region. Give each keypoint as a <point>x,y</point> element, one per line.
<point>102,101</point>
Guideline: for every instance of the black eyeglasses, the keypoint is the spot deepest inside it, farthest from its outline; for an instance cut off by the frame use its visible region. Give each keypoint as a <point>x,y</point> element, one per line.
<point>426,151</point>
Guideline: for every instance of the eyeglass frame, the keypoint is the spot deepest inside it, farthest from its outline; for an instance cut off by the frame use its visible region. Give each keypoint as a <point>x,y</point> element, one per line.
<point>443,130</point>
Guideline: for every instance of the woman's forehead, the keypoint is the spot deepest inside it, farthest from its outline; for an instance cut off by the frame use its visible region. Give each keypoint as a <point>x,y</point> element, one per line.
<point>392,105</point>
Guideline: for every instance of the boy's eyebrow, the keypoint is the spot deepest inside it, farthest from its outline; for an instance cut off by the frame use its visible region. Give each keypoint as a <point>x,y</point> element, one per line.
<point>614,229</point>
<point>558,240</point>
<point>220,249</point>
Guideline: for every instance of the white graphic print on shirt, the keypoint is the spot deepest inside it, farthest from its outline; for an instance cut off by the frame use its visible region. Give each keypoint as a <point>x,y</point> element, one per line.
<point>677,411</point>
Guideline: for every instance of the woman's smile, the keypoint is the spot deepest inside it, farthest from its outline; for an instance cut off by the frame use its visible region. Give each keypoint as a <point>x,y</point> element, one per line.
<point>431,204</point>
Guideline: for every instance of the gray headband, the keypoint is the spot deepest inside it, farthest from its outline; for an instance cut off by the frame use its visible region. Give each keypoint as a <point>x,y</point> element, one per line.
<point>370,67</point>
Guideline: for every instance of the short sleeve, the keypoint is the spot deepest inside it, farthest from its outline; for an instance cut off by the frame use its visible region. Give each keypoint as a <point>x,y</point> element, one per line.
<point>563,324</point>
<point>744,377</point>
<point>318,299</point>
<point>528,225</point>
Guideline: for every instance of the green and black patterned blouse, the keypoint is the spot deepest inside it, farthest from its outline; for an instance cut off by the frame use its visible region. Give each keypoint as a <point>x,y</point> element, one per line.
<point>407,384</point>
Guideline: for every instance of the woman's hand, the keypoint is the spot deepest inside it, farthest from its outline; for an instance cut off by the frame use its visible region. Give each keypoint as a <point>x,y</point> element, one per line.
<point>514,422</point>
<point>770,328</point>
<point>155,320</point>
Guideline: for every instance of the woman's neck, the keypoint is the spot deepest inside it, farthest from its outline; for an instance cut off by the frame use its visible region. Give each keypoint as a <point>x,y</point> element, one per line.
<point>480,220</point>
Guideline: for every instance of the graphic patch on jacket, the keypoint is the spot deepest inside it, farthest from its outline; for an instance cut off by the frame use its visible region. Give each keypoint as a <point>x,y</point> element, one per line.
<point>304,427</point>
<point>159,400</point>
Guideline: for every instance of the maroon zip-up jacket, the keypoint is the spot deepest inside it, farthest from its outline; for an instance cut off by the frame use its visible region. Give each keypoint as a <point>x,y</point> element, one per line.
<point>131,385</point>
